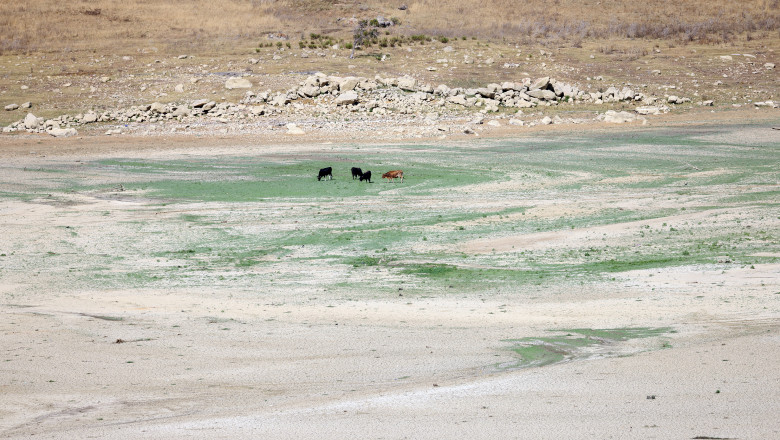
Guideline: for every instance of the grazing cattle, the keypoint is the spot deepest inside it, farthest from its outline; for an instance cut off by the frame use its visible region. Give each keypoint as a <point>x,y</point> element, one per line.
<point>325,172</point>
<point>366,176</point>
<point>392,175</point>
<point>356,172</point>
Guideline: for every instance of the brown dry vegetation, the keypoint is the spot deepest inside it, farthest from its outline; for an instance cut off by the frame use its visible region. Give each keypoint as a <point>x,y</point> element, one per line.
<point>43,25</point>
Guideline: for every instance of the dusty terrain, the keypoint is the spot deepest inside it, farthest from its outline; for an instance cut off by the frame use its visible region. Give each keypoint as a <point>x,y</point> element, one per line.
<point>167,272</point>
<point>264,303</point>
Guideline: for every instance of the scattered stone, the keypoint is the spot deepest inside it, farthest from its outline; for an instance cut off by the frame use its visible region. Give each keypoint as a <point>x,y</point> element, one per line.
<point>546,120</point>
<point>27,104</point>
<point>105,79</point>
<point>24,87</point>
<point>11,107</point>
<point>769,66</point>
<point>514,121</point>
<point>238,83</point>
<point>494,123</point>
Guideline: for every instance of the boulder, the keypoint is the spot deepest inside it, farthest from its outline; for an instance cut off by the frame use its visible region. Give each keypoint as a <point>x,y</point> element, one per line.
<point>157,107</point>
<point>651,110</point>
<point>457,99</point>
<point>294,129</point>
<point>309,91</point>
<point>181,111</point>
<point>546,95</point>
<point>348,83</point>
<point>11,107</point>
<point>407,84</point>
<point>347,98</point>
<point>89,118</point>
<point>486,92</point>
<point>30,122</point>
<point>238,83</point>
<point>199,103</point>
<point>63,132</point>
<point>541,83</point>
<point>618,117</point>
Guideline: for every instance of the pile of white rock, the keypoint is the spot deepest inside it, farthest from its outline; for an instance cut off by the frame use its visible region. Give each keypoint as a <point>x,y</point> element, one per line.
<point>321,94</point>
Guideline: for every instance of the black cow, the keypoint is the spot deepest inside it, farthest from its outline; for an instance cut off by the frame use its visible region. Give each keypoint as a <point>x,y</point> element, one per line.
<point>356,172</point>
<point>325,172</point>
<point>366,176</point>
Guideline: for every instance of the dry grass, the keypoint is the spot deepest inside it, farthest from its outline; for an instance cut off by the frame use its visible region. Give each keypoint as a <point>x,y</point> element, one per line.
<point>44,25</point>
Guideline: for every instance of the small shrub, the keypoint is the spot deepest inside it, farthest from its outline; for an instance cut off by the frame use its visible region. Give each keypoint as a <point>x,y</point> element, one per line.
<point>443,39</point>
<point>347,45</point>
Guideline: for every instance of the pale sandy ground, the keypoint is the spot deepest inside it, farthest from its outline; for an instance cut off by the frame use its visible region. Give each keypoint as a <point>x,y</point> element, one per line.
<point>297,366</point>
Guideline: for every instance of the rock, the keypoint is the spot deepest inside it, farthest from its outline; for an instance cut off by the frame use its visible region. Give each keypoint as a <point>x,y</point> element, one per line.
<point>294,129</point>
<point>708,103</point>
<point>25,87</point>
<point>651,110</point>
<point>769,66</point>
<point>11,107</point>
<point>157,107</point>
<point>27,105</point>
<point>655,72</point>
<point>486,92</point>
<point>546,120</point>
<point>468,130</point>
<point>478,120</point>
<point>618,117</point>
<point>105,79</point>
<point>494,123</point>
<point>348,83</point>
<point>407,84</point>
<point>457,99</point>
<point>514,121</point>
<point>257,110</point>
<point>30,121</point>
<point>347,98</point>
<point>199,103</point>
<point>726,57</point>
<point>113,131</point>
<point>179,88</point>
<point>63,132</point>
<point>309,91</point>
<point>183,57</point>
<point>546,95</point>
<point>89,118</point>
<point>449,49</point>
<point>540,83</point>
<point>238,83</point>
<point>181,111</point>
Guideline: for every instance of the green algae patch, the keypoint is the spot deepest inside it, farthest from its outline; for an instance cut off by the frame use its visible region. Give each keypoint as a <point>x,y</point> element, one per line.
<point>576,344</point>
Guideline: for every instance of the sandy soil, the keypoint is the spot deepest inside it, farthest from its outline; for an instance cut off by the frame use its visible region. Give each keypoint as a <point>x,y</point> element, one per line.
<point>295,363</point>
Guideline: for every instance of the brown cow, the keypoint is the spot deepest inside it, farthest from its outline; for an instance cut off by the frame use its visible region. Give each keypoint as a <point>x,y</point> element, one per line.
<point>393,175</point>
